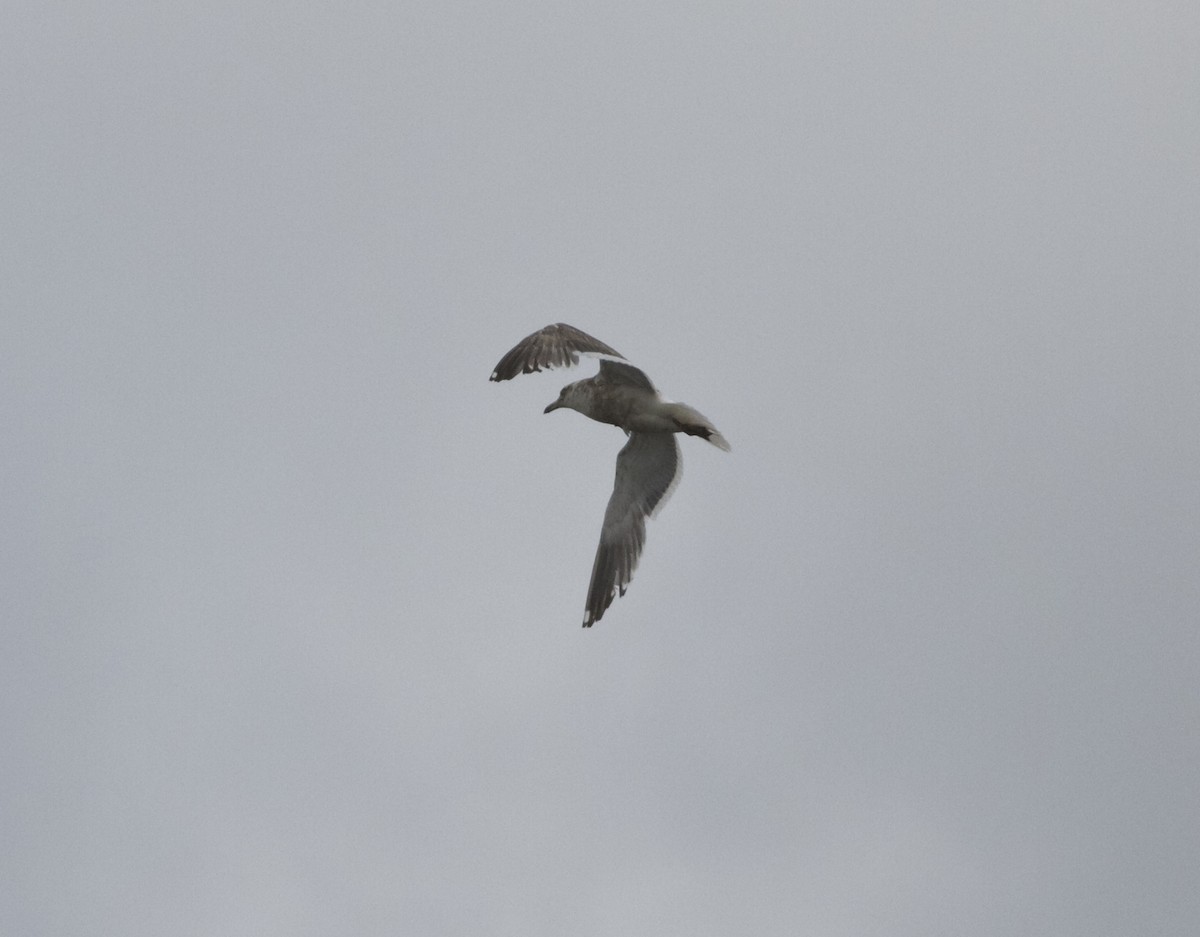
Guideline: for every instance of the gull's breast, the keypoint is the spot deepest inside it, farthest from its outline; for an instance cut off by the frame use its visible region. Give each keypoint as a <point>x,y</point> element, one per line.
<point>631,408</point>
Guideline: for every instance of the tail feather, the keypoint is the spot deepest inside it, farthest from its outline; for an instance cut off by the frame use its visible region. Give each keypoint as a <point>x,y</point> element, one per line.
<point>694,423</point>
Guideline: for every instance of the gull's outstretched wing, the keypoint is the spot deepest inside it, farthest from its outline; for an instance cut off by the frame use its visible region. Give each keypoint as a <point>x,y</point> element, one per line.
<point>648,469</point>
<point>555,346</point>
<point>620,371</point>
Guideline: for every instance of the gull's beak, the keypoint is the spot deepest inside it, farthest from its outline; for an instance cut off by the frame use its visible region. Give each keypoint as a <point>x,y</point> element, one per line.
<point>553,406</point>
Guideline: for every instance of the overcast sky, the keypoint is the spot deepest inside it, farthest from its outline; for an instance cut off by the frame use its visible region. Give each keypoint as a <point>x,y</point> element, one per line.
<point>292,593</point>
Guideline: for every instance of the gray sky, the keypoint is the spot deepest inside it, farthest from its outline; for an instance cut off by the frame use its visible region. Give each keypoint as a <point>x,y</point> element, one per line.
<point>292,593</point>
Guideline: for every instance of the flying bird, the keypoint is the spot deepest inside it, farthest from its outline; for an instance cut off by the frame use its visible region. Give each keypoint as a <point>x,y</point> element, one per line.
<point>648,467</point>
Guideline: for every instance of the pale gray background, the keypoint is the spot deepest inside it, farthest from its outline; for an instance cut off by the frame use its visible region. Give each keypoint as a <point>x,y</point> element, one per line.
<point>291,593</point>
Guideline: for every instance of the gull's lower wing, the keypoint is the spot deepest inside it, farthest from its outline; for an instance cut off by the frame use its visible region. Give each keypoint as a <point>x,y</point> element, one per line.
<point>648,469</point>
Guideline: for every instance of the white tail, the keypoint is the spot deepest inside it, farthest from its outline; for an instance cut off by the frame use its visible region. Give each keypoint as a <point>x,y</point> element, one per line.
<point>694,423</point>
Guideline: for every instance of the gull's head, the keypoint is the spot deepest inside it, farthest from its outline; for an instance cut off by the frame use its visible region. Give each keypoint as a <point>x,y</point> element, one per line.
<point>569,396</point>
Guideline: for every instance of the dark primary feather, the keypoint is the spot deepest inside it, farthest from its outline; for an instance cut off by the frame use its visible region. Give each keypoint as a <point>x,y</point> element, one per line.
<point>555,346</point>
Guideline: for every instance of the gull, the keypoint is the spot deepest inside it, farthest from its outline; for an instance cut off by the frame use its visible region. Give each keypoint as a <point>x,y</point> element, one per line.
<point>648,467</point>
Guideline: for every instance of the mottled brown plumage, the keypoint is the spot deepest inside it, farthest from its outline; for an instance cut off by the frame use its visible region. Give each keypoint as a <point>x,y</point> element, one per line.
<point>648,467</point>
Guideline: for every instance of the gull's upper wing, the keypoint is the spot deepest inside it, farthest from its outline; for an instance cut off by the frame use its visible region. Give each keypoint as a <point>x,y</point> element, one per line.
<point>555,346</point>
<point>648,469</point>
<point>622,372</point>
